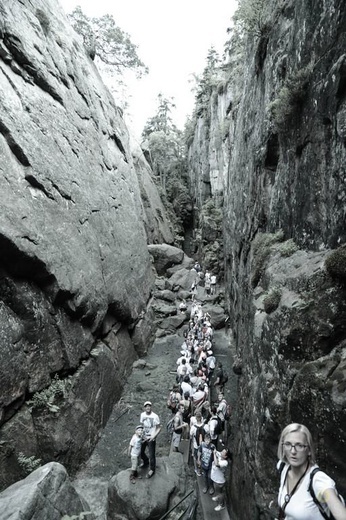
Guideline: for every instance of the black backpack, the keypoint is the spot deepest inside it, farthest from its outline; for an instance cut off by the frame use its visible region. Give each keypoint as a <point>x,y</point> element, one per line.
<point>325,513</point>
<point>200,431</point>
<point>224,378</point>
<point>218,427</point>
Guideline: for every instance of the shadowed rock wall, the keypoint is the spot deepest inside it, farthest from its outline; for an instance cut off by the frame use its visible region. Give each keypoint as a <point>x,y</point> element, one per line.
<point>284,211</point>
<point>75,273</point>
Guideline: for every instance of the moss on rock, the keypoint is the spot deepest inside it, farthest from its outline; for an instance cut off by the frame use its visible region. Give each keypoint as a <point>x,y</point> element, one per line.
<point>336,263</point>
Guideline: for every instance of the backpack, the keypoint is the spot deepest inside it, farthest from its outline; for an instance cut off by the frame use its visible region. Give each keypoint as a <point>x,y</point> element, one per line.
<point>218,427</point>
<point>200,431</point>
<point>224,377</point>
<point>323,510</point>
<point>228,411</point>
<point>170,426</point>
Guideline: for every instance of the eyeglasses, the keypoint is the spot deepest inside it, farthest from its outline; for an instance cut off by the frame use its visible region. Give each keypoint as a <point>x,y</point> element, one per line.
<point>297,446</point>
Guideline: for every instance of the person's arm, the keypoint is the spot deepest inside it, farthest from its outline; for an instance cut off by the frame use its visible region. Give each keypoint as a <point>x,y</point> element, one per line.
<point>157,431</point>
<point>335,505</point>
<point>130,447</point>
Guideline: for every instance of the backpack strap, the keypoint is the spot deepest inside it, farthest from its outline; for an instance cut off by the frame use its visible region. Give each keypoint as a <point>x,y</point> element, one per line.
<point>314,498</point>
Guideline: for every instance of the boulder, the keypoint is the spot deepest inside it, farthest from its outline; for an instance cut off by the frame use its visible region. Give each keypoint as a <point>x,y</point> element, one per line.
<point>171,324</point>
<point>187,263</point>
<point>165,256</point>
<point>46,493</point>
<point>182,279</point>
<point>163,309</point>
<point>147,498</point>
<point>167,295</point>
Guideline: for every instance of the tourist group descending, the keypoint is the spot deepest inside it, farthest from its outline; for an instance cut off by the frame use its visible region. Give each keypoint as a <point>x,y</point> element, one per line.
<point>200,412</point>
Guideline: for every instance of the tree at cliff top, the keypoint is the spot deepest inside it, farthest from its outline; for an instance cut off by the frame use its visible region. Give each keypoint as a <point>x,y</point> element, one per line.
<point>251,16</point>
<point>110,47</point>
<point>164,143</point>
<point>210,77</point>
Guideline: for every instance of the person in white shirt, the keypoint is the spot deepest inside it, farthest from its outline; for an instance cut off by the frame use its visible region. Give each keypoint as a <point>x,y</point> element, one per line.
<point>218,476</point>
<point>212,284</point>
<point>152,427</point>
<point>296,452</point>
<point>134,451</point>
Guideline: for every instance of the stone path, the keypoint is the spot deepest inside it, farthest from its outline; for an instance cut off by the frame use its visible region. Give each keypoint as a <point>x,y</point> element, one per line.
<point>150,380</point>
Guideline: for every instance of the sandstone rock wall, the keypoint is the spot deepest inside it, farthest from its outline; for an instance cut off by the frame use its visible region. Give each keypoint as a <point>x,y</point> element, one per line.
<point>284,211</point>
<point>78,208</point>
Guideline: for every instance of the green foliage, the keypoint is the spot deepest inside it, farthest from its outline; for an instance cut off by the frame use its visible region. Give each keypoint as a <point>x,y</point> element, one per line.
<point>209,209</point>
<point>210,78</point>
<point>286,248</point>
<point>164,142</point>
<point>290,96</point>
<point>105,40</point>
<point>272,300</point>
<point>44,20</point>
<point>251,16</point>
<point>28,464</point>
<point>261,249</point>
<point>336,263</point>
<point>162,120</point>
<point>46,398</point>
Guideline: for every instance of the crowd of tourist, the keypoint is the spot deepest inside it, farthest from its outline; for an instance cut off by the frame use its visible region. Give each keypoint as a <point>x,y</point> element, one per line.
<point>199,410</point>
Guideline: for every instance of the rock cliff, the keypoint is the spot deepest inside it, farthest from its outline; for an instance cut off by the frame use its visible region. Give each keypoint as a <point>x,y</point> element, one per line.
<point>272,142</point>
<point>78,209</point>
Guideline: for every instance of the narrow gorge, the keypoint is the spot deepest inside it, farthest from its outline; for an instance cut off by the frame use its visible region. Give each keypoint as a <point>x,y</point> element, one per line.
<point>85,237</point>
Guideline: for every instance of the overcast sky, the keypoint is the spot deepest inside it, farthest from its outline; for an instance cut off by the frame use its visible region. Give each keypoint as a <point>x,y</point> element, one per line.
<point>173,39</point>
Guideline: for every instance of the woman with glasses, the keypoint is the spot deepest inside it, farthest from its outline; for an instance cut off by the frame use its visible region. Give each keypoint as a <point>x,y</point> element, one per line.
<point>295,500</point>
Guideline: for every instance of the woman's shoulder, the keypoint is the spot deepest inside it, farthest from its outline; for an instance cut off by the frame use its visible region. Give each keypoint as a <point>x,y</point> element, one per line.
<point>320,479</point>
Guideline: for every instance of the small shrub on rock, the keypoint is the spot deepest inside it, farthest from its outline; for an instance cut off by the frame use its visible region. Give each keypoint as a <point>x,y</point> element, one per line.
<point>28,464</point>
<point>272,300</point>
<point>336,263</point>
<point>286,248</point>
<point>261,248</point>
<point>46,398</point>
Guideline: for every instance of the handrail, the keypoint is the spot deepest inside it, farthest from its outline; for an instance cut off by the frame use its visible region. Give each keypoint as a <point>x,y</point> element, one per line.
<point>176,505</point>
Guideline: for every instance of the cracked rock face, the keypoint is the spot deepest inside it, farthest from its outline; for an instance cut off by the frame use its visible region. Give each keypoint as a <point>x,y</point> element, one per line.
<point>74,263</point>
<point>284,116</point>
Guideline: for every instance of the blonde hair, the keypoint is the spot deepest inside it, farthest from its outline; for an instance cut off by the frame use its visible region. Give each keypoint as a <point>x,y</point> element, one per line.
<point>295,427</point>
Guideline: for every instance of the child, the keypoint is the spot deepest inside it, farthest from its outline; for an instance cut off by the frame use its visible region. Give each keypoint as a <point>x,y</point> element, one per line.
<point>204,461</point>
<point>134,451</point>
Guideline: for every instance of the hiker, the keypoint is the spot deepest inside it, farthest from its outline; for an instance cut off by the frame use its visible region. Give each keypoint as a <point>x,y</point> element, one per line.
<point>197,434</point>
<point>178,427</point>
<point>297,461</point>
<point>215,425</point>
<point>193,290</point>
<point>217,475</point>
<point>183,306</point>
<point>185,386</point>
<point>186,402</point>
<point>213,284</point>
<point>210,363</point>
<point>134,451</point>
<point>204,461</point>
<point>223,409</point>
<point>199,396</point>
<point>174,398</point>
<point>152,428</point>
<point>207,287</point>
<point>220,379</point>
